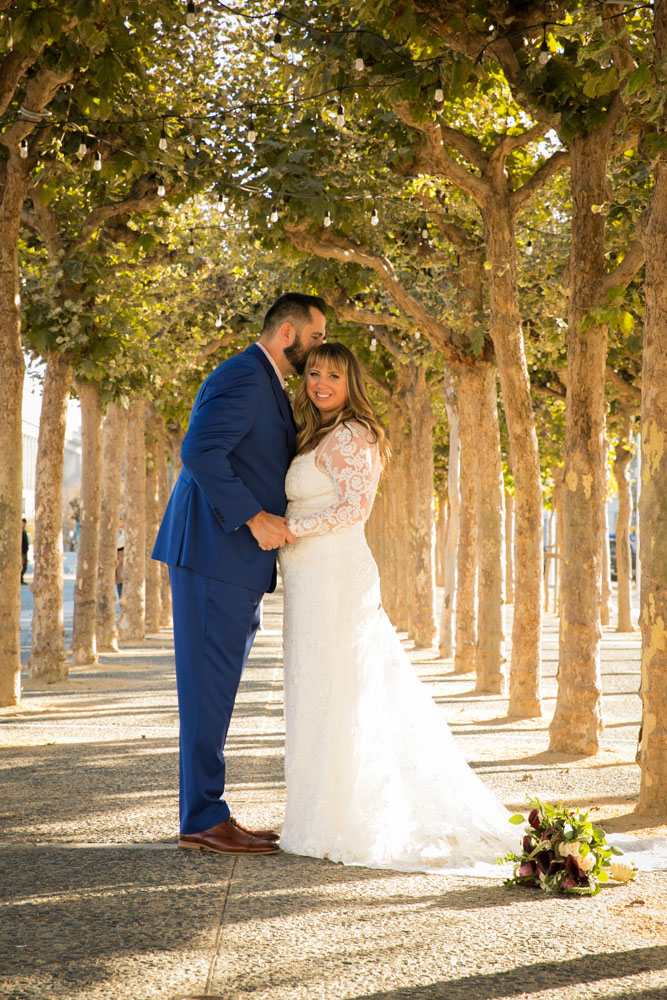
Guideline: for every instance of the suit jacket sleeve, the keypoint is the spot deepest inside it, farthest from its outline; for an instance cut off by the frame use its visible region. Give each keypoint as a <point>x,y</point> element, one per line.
<point>222,416</point>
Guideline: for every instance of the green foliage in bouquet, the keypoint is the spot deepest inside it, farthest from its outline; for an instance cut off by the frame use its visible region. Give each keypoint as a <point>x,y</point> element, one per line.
<point>563,852</point>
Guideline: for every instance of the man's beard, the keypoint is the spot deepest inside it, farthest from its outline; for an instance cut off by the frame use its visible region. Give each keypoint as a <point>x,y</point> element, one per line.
<point>296,355</point>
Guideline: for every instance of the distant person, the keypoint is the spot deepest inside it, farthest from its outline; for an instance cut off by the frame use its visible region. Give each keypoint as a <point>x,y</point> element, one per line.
<point>120,559</point>
<point>25,548</point>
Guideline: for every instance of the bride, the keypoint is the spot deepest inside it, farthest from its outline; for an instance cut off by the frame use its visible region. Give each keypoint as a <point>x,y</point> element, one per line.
<point>374,776</point>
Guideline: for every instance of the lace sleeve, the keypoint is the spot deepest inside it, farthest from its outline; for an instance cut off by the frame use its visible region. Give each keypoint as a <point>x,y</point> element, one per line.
<point>348,457</point>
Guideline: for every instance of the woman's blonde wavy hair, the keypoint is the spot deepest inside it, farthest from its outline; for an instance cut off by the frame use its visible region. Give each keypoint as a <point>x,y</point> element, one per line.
<point>358,407</point>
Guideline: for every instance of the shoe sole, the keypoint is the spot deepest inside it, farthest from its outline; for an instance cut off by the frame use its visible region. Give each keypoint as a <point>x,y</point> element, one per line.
<point>216,850</point>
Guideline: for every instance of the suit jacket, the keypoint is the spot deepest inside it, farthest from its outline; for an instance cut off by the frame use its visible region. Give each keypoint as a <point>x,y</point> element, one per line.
<point>235,454</point>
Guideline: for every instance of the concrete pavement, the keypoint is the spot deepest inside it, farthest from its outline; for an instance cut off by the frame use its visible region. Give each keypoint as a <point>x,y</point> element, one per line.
<point>98,903</point>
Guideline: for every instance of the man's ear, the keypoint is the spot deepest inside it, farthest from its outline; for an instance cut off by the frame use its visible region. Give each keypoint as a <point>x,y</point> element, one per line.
<point>286,333</point>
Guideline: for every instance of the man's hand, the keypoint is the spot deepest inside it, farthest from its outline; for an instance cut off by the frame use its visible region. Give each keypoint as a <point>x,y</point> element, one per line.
<point>269,530</point>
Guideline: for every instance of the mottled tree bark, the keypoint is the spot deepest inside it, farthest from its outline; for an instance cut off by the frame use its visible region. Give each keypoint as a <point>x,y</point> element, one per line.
<point>400,526</point>
<point>48,659</point>
<point>466,564</point>
<point>577,723</point>
<point>605,576</point>
<point>453,521</point>
<point>132,624</point>
<point>113,446</point>
<point>163,488</point>
<point>489,658</point>
<point>505,331</point>
<point>622,459</point>
<point>153,518</point>
<point>509,547</point>
<point>84,631</point>
<point>653,501</point>
<point>421,413</point>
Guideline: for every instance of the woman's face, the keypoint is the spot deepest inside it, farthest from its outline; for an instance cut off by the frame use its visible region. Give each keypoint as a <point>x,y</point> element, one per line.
<point>326,388</point>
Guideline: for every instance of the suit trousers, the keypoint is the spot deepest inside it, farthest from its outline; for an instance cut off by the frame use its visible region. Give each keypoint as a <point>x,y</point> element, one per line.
<point>214,628</point>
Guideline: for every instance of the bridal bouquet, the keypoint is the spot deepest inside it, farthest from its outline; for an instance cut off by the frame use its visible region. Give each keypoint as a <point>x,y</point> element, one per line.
<point>563,852</point>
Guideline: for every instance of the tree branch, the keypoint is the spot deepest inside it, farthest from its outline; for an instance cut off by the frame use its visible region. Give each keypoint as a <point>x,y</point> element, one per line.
<point>523,195</point>
<point>332,246</point>
<point>626,270</point>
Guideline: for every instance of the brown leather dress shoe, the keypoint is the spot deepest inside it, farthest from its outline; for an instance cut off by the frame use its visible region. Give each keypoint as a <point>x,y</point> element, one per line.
<point>260,834</point>
<point>227,838</point>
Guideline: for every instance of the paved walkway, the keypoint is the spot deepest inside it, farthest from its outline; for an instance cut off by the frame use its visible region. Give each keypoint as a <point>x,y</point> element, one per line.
<point>98,903</point>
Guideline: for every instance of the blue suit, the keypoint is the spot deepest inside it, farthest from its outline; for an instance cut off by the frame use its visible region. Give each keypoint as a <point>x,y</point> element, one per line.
<point>235,455</point>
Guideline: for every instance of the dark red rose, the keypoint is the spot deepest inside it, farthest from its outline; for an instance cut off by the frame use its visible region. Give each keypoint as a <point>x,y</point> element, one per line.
<point>556,866</point>
<point>527,870</point>
<point>527,844</point>
<point>574,870</point>
<point>544,859</point>
<point>534,818</point>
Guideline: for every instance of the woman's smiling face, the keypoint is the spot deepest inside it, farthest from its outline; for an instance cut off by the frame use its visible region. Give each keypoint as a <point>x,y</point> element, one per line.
<point>327,389</point>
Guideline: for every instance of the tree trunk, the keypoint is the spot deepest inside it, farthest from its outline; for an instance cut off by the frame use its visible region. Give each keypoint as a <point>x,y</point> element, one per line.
<point>505,331</point>
<point>605,594</point>
<point>466,565</point>
<point>653,502</point>
<point>132,624</point>
<point>84,632</point>
<point>115,429</point>
<point>483,400</point>
<point>153,518</point>
<point>12,371</point>
<point>453,522</point>
<point>622,459</point>
<point>163,487</point>
<point>48,659</point>
<point>421,413</point>
<point>577,723</point>
<point>557,502</point>
<point>175,435</point>
<point>509,547</point>
<point>399,525</point>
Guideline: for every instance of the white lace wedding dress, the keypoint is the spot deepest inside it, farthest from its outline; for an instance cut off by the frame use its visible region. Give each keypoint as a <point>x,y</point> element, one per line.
<point>374,776</point>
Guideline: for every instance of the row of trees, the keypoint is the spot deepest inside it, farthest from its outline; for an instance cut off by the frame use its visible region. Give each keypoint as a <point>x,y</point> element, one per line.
<point>513,164</point>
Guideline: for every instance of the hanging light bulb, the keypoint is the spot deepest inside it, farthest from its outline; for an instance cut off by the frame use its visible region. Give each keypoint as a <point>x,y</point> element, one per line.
<point>190,15</point>
<point>543,57</point>
<point>438,95</point>
<point>218,322</point>
<point>529,248</point>
<point>274,214</point>
<point>23,149</point>
<point>278,42</point>
<point>221,202</point>
<point>161,190</point>
<point>375,218</point>
<point>252,134</point>
<point>83,148</point>
<point>373,344</point>
<point>417,335</point>
<point>191,245</point>
<point>359,61</point>
<point>340,116</point>
<point>327,219</point>
<point>424,231</point>
<point>163,137</point>
<point>97,160</point>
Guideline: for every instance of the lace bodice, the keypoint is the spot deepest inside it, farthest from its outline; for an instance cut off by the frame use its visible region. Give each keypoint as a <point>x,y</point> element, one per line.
<point>348,463</point>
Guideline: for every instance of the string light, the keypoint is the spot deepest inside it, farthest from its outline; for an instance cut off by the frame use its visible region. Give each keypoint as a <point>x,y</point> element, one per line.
<point>97,160</point>
<point>417,335</point>
<point>23,149</point>
<point>373,344</point>
<point>359,61</point>
<point>83,148</point>
<point>327,219</point>
<point>191,245</point>
<point>375,218</point>
<point>424,231</point>
<point>274,214</point>
<point>161,190</point>
<point>340,116</point>
<point>163,137</point>
<point>277,39</point>
<point>252,134</point>
<point>221,202</point>
<point>438,95</point>
<point>543,57</point>
<point>529,248</point>
<point>190,15</point>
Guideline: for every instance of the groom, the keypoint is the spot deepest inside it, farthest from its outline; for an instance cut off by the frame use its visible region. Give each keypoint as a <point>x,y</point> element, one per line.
<point>219,535</point>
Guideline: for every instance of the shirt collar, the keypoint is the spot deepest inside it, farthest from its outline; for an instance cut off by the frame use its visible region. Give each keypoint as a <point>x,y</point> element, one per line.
<point>276,369</point>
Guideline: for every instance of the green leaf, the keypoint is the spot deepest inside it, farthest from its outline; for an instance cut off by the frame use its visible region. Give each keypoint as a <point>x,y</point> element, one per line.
<point>602,83</point>
<point>517,819</point>
<point>626,323</point>
<point>639,79</point>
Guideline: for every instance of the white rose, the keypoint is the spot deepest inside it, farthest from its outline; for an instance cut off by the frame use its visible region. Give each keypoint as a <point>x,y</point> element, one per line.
<point>586,861</point>
<point>569,847</point>
<point>622,871</point>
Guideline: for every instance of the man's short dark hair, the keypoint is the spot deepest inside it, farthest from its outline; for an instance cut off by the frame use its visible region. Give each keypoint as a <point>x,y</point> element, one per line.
<point>293,307</point>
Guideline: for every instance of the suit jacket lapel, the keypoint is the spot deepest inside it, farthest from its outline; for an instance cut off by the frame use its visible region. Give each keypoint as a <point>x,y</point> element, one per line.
<point>278,392</point>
